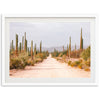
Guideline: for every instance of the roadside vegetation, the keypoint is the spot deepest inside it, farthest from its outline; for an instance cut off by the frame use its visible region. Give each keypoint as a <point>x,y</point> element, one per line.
<point>21,55</point>
<point>79,58</point>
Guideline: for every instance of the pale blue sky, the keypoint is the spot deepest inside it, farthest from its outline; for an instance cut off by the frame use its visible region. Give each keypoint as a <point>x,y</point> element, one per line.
<point>51,34</point>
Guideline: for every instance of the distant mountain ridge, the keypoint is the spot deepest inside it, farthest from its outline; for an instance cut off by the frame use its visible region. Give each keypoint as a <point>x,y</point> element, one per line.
<point>51,49</point>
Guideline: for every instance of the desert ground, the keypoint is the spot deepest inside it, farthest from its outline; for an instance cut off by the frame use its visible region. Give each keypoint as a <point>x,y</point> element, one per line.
<point>50,67</point>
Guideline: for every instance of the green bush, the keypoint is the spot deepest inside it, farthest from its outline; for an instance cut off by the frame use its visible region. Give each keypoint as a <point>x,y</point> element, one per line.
<point>69,62</point>
<point>30,62</point>
<point>38,60</point>
<point>60,54</point>
<point>86,54</point>
<point>76,63</point>
<point>88,62</point>
<point>87,68</point>
<point>80,66</point>
<point>72,64</point>
<point>17,63</point>
<point>55,53</point>
<point>64,52</point>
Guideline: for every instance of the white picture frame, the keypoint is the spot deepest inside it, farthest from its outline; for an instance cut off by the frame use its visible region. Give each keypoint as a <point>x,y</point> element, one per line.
<point>94,77</point>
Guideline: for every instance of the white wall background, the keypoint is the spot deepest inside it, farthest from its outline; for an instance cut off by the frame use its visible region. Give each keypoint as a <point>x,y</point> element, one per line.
<point>52,7</point>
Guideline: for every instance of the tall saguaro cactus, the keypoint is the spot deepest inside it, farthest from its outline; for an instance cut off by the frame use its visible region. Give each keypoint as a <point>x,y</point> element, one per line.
<point>25,45</point>
<point>81,41</point>
<point>16,45</point>
<point>34,52</point>
<point>22,42</point>
<point>32,49</point>
<point>28,51</point>
<point>69,47</point>
<point>20,47</point>
<point>12,48</point>
<point>41,47</point>
<point>25,41</point>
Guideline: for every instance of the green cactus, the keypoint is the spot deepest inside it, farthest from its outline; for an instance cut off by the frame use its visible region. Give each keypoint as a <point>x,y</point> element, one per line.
<point>82,44</point>
<point>81,41</point>
<point>22,42</point>
<point>34,52</point>
<point>12,48</point>
<point>25,45</point>
<point>25,42</point>
<point>20,47</point>
<point>41,47</point>
<point>32,49</point>
<point>16,45</point>
<point>27,51</point>
<point>69,47</point>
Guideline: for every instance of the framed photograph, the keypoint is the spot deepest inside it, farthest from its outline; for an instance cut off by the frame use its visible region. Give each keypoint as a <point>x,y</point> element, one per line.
<point>49,50</point>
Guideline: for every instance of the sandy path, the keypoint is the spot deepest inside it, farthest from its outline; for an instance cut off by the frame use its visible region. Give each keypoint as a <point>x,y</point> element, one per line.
<point>50,67</point>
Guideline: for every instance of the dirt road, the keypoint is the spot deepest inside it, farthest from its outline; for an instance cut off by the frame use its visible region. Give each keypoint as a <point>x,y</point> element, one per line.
<point>50,67</point>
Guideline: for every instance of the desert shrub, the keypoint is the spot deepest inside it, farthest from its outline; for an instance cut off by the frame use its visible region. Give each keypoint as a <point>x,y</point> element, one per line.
<point>12,52</point>
<point>69,62</point>
<point>80,66</point>
<point>60,54</point>
<point>72,64</point>
<point>86,54</point>
<point>57,58</point>
<point>80,60</point>
<point>64,52</point>
<point>44,55</point>
<point>88,62</point>
<point>30,62</point>
<point>87,68</point>
<point>55,53</point>
<point>17,63</point>
<point>75,63</point>
<point>38,60</point>
<point>40,55</point>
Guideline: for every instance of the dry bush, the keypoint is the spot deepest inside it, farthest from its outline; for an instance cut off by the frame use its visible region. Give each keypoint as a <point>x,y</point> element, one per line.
<point>88,62</point>
<point>41,55</point>
<point>30,62</point>
<point>86,53</point>
<point>72,64</point>
<point>38,60</point>
<point>80,66</point>
<point>17,63</point>
<point>87,69</point>
<point>69,62</point>
<point>76,63</point>
<point>60,55</point>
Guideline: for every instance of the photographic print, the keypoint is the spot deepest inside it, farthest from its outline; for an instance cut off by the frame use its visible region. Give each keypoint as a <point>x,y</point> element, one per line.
<point>49,49</point>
